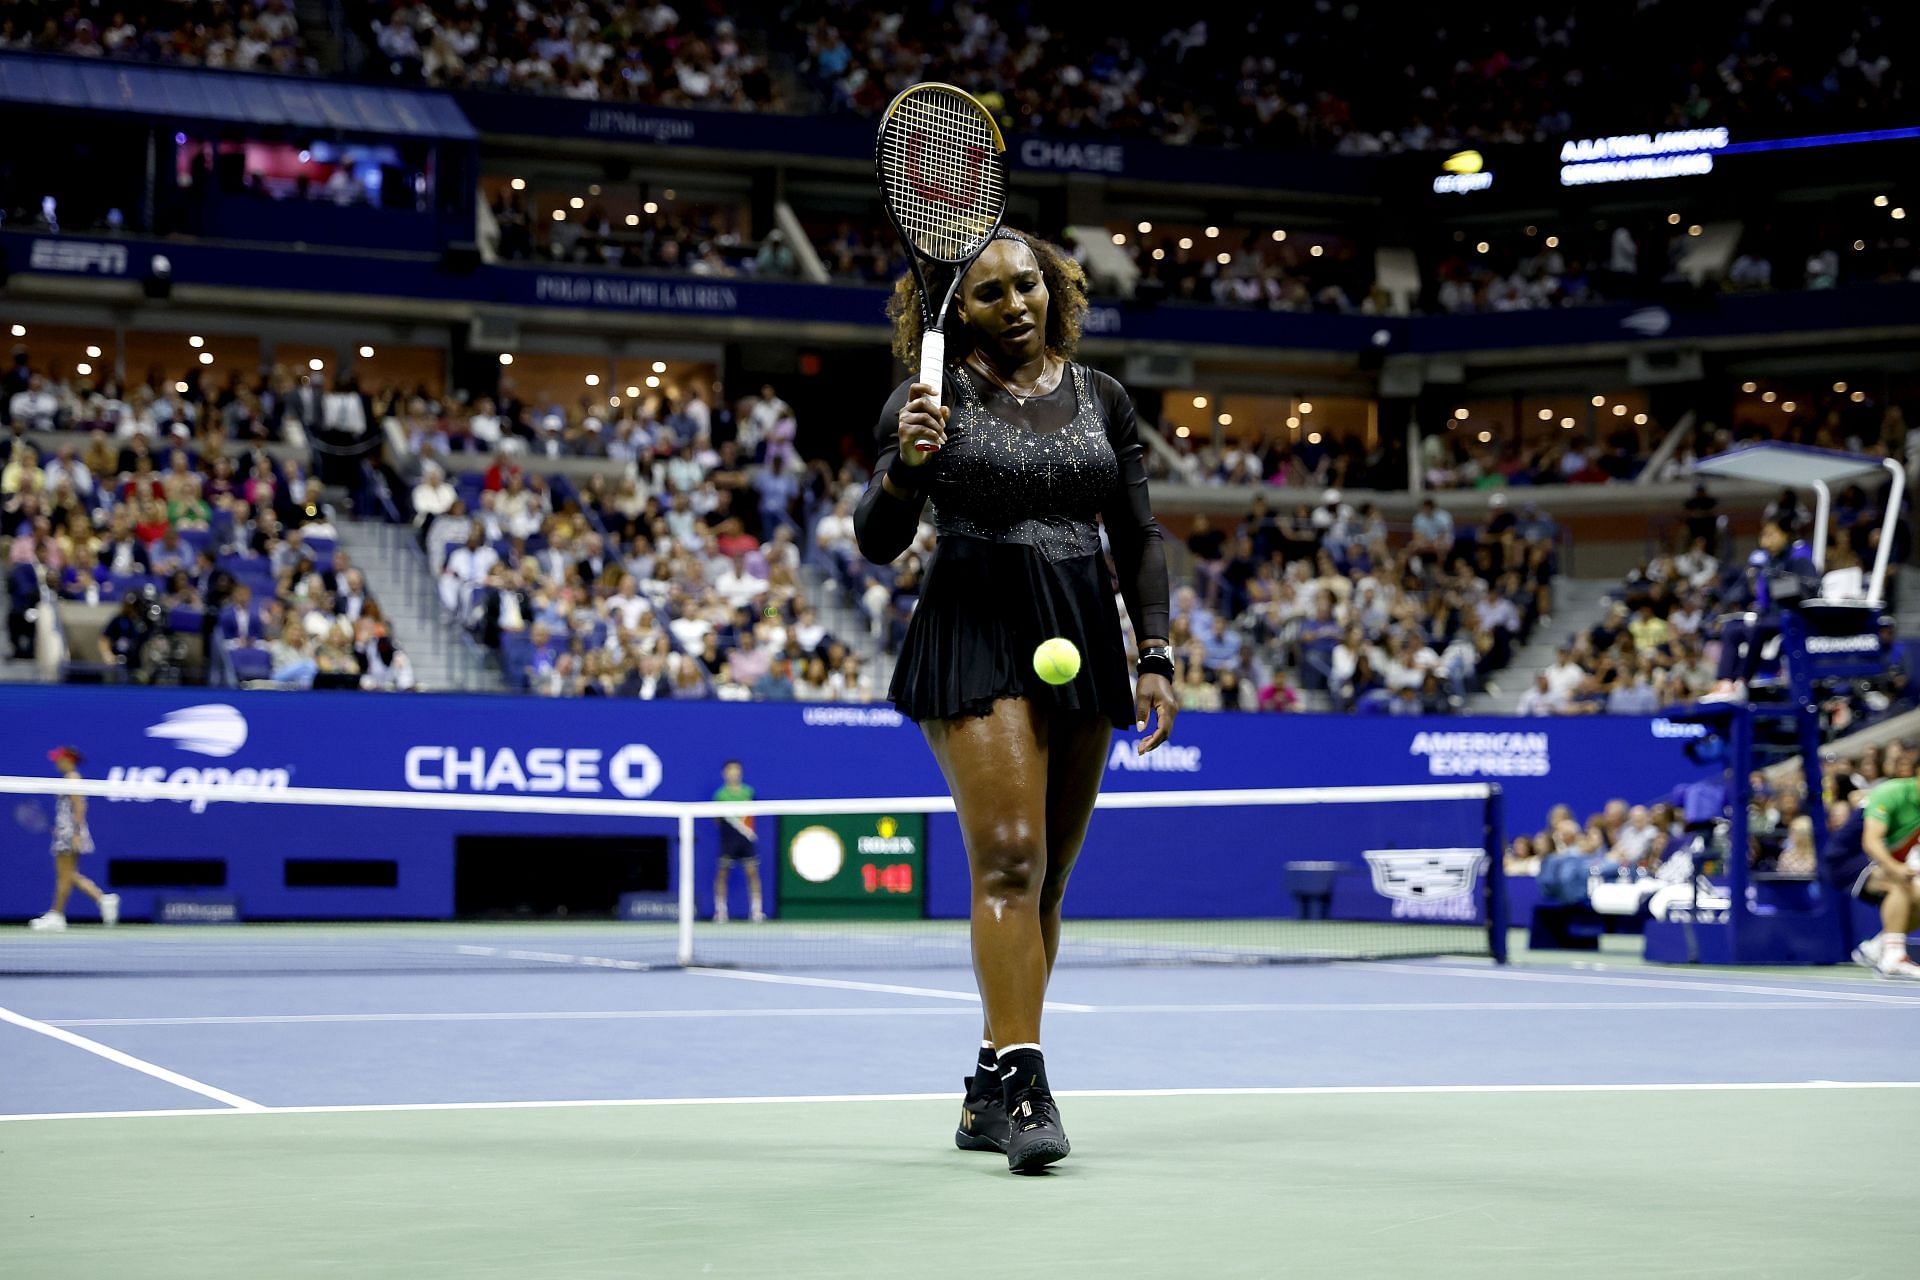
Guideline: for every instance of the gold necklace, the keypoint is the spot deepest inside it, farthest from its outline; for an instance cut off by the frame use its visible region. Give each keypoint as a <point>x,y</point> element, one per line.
<point>985,366</point>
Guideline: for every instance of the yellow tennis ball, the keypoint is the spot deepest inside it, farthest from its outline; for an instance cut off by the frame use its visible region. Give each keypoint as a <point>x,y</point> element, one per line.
<point>1056,661</point>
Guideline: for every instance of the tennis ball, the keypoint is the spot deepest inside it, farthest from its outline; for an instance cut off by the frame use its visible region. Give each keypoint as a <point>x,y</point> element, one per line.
<point>1056,661</point>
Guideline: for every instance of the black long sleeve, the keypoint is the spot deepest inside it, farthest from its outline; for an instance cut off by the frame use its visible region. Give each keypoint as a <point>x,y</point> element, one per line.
<point>1134,534</point>
<point>884,525</point>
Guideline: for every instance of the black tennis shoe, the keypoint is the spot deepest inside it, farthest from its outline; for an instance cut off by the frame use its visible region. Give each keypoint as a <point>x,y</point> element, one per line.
<point>983,1116</point>
<point>1035,1139</point>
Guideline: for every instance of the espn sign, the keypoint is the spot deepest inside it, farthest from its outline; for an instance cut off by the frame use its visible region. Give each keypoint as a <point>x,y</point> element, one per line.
<point>79,257</point>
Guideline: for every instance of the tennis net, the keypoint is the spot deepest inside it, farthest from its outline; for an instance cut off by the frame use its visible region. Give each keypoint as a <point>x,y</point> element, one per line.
<point>275,879</point>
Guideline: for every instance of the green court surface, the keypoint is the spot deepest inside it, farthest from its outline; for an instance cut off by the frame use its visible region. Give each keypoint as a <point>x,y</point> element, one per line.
<point>1601,1183</point>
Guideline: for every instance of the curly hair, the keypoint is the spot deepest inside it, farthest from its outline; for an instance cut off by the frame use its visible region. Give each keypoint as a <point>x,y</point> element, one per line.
<point>1066,288</point>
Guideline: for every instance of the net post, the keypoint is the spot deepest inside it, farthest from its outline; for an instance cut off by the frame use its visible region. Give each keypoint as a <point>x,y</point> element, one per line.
<point>685,952</point>
<point>1496,874</point>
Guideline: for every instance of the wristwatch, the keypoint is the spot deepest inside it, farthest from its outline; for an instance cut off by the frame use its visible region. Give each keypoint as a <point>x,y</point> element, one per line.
<point>1157,660</point>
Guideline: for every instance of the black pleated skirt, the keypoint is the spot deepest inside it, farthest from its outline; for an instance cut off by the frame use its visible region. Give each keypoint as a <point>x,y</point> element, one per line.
<point>984,608</point>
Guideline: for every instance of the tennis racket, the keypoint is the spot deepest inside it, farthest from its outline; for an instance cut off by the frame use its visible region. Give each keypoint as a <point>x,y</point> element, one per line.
<point>942,168</point>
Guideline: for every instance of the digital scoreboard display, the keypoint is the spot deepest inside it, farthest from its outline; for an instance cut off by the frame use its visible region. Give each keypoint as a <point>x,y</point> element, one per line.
<point>853,867</point>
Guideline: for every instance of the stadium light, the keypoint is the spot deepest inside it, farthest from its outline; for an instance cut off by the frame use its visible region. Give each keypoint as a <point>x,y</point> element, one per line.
<point>1119,237</point>
<point>593,189</point>
<point>206,357</point>
<point>650,207</point>
<point>1182,432</point>
<point>1317,250</point>
<point>559,215</point>
<point>1639,419</point>
<point>653,380</point>
<point>1186,242</point>
<point>1313,437</point>
<point>1486,437</point>
<point>1899,214</point>
<point>1145,228</point>
<point>1461,414</point>
<point>1858,245</point>
<point>316,364</point>
<point>196,341</point>
<point>1223,259</point>
<point>659,366</point>
<point>1553,242</point>
<point>1768,396</point>
<point>1546,415</point>
<point>1619,411</point>
<point>633,219</point>
<point>1213,233</point>
<point>19,331</point>
<point>1695,229</point>
<point>1839,388</point>
<point>1199,402</point>
<point>1482,247</point>
<point>1159,254</point>
<point>1673,219</point>
<point>577,203</point>
<point>1786,406</point>
<point>1294,422</point>
<point>1306,406</point>
<point>1225,419</point>
<point>633,393</point>
<point>1749,387</point>
<point>1533,231</point>
<point>593,379</point>
<point>1566,424</point>
<point>366,353</point>
<point>83,369</point>
<point>1881,202</point>
<point>93,353</point>
<point>518,184</point>
<point>1857,396</point>
<point>506,357</point>
<point>180,387</point>
<point>1279,237</point>
<point>1599,402</point>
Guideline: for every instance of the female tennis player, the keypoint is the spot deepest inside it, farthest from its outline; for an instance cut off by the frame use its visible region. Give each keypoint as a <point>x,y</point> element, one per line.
<point>1023,453</point>
<point>71,842</point>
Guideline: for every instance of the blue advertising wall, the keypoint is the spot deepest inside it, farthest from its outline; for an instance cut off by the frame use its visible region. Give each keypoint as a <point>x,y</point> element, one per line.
<point>344,271</point>
<point>1179,863</point>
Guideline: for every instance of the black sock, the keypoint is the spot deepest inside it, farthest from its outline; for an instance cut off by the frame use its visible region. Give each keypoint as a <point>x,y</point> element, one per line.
<point>1021,1070</point>
<point>988,1065</point>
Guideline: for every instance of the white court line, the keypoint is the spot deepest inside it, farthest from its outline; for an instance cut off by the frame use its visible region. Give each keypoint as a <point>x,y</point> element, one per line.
<point>1623,980</point>
<point>1251,1091</point>
<point>141,1065</point>
<point>899,1011</point>
<point>846,984</point>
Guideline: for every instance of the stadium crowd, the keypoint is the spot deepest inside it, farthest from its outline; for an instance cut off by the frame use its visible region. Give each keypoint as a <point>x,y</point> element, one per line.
<point>170,503</point>
<point>1293,77</point>
<point>1672,837</point>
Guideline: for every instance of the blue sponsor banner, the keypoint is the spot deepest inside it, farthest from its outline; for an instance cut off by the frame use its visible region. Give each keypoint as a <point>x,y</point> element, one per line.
<point>1213,862</point>
<point>861,306</point>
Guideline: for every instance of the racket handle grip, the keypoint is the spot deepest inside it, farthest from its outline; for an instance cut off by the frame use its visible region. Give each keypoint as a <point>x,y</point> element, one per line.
<point>933,361</point>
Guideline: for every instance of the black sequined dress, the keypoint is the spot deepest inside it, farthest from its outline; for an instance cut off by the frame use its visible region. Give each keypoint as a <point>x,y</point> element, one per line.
<point>1018,493</point>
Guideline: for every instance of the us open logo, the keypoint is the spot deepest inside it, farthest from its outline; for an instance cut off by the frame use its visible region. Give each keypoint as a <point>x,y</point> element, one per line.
<point>1428,884</point>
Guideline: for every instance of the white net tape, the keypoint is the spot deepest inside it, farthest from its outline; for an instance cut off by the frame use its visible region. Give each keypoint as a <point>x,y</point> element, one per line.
<point>942,173</point>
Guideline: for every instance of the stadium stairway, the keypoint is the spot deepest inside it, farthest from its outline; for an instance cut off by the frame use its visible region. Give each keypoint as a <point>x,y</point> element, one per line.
<point>443,657</point>
<point>1578,603</point>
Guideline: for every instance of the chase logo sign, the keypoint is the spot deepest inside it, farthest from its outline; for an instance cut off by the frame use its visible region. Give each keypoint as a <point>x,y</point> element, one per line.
<point>1076,157</point>
<point>1428,884</point>
<point>634,771</point>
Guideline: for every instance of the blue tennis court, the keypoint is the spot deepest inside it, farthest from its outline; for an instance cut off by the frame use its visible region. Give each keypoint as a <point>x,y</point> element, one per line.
<point>734,1119</point>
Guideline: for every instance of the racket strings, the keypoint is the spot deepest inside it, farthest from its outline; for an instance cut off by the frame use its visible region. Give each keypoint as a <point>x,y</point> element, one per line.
<point>943,174</point>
